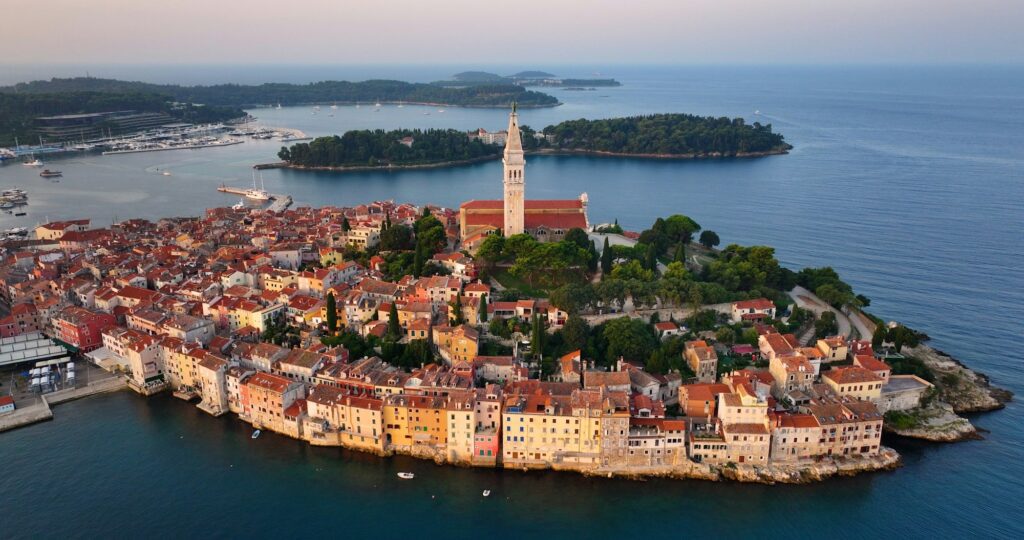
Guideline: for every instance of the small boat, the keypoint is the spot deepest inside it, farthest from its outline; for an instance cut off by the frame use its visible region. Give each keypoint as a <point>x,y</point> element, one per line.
<point>166,173</point>
<point>427,113</point>
<point>335,106</point>
<point>758,111</point>
<point>255,434</point>
<point>34,163</point>
<point>406,475</point>
<point>5,205</point>
<point>487,493</point>
<point>278,104</point>
<point>440,110</point>
<point>47,173</point>
<point>240,205</point>
<point>19,213</point>
<point>377,104</point>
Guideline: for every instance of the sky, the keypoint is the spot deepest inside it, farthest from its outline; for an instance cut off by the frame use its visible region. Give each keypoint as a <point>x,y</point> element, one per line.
<point>495,32</point>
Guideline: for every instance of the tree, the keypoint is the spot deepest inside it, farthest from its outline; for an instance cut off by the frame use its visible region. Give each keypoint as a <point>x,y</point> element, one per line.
<point>457,316</point>
<point>491,250</point>
<point>878,338</point>
<point>606,258</point>
<point>826,325</point>
<point>901,335</point>
<point>394,328</point>
<point>575,332</point>
<point>345,225</point>
<point>483,308</point>
<point>680,255</point>
<point>332,314</point>
<point>577,236</point>
<point>537,337</point>
<point>709,239</point>
<point>573,297</point>
<point>628,338</point>
<point>725,335</point>
<point>395,237</point>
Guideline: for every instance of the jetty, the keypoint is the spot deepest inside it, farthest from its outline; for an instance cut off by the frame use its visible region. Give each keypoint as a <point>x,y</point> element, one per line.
<point>279,202</point>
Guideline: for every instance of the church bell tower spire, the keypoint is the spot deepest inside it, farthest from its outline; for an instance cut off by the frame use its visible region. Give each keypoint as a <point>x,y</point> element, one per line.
<point>514,180</point>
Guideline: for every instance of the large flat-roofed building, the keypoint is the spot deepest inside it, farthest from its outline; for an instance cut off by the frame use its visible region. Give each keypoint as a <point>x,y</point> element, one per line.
<point>91,125</point>
<point>545,220</point>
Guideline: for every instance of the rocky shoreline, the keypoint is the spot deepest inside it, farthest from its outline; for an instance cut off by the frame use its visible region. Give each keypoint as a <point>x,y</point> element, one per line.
<point>692,156</point>
<point>542,152</point>
<point>887,459</point>
<point>958,390</point>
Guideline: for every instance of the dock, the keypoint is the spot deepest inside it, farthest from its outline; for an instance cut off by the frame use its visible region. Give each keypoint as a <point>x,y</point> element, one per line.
<point>41,412</point>
<point>279,202</point>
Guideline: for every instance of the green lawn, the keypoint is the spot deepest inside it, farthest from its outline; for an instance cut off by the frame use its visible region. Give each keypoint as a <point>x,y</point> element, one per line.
<point>507,280</point>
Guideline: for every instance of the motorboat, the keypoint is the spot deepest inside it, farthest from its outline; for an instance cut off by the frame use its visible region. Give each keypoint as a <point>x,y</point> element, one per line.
<point>166,173</point>
<point>487,493</point>
<point>406,475</point>
<point>34,163</point>
<point>47,173</point>
<point>256,434</point>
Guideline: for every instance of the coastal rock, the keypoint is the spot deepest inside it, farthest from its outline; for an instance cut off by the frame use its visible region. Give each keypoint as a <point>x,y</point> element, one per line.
<point>965,390</point>
<point>937,422</point>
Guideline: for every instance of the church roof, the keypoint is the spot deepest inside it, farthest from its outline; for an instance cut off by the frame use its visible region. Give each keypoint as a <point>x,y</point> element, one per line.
<point>555,214</point>
<point>530,204</point>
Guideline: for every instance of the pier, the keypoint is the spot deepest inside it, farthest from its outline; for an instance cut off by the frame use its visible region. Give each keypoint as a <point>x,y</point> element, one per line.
<point>279,202</point>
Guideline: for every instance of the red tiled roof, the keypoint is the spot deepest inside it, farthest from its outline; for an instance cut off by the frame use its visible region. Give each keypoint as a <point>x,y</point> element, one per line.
<point>530,204</point>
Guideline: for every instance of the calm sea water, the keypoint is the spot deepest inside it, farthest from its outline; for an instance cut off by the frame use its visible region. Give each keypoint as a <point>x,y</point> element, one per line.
<point>909,181</point>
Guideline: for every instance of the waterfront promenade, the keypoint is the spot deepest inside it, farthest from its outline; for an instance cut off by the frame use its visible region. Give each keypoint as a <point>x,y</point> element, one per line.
<point>41,410</point>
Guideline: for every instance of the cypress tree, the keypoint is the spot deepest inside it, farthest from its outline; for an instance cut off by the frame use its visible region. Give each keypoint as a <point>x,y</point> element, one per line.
<point>332,313</point>
<point>394,329</point>
<point>457,317</point>
<point>606,258</point>
<point>483,308</point>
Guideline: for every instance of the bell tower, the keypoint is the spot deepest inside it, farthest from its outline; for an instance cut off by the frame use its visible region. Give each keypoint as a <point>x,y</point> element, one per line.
<point>514,180</point>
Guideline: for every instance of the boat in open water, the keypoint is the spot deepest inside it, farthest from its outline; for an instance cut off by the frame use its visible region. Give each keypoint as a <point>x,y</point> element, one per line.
<point>47,173</point>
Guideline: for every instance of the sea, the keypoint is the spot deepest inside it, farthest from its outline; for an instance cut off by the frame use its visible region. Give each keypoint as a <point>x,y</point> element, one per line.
<point>908,180</point>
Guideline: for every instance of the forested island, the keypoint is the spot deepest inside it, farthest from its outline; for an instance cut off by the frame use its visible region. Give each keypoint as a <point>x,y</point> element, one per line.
<point>655,136</point>
<point>500,94</point>
<point>665,135</point>
<point>379,148</point>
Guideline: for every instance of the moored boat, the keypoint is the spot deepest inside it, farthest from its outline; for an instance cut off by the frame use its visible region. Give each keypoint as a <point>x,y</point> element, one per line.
<point>406,475</point>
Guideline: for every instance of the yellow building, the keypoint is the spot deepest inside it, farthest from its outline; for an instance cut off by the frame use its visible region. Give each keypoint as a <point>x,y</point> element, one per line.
<point>338,419</point>
<point>412,422</point>
<point>458,344</point>
<point>855,382</point>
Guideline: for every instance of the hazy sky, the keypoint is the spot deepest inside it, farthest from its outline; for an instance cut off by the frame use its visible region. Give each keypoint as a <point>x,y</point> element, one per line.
<point>514,32</point>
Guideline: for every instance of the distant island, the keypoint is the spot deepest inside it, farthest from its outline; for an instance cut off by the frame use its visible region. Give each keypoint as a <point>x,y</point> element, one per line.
<point>523,78</point>
<point>664,136</point>
<point>23,103</point>
<point>671,136</point>
<point>361,149</point>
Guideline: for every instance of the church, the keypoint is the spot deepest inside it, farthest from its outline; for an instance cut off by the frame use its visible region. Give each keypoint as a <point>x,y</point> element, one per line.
<point>545,220</point>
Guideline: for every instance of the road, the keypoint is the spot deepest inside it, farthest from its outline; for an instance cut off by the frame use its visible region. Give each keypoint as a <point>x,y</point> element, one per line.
<point>807,300</point>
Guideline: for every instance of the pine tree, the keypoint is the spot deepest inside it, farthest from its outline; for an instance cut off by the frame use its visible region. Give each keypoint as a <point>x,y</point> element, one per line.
<point>606,258</point>
<point>483,308</point>
<point>332,314</point>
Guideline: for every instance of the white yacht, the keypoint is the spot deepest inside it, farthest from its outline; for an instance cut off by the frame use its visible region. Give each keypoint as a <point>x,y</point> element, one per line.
<point>257,194</point>
<point>36,162</point>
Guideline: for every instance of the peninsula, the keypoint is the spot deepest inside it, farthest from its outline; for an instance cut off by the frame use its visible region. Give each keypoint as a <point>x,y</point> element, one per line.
<point>509,333</point>
<point>661,136</point>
